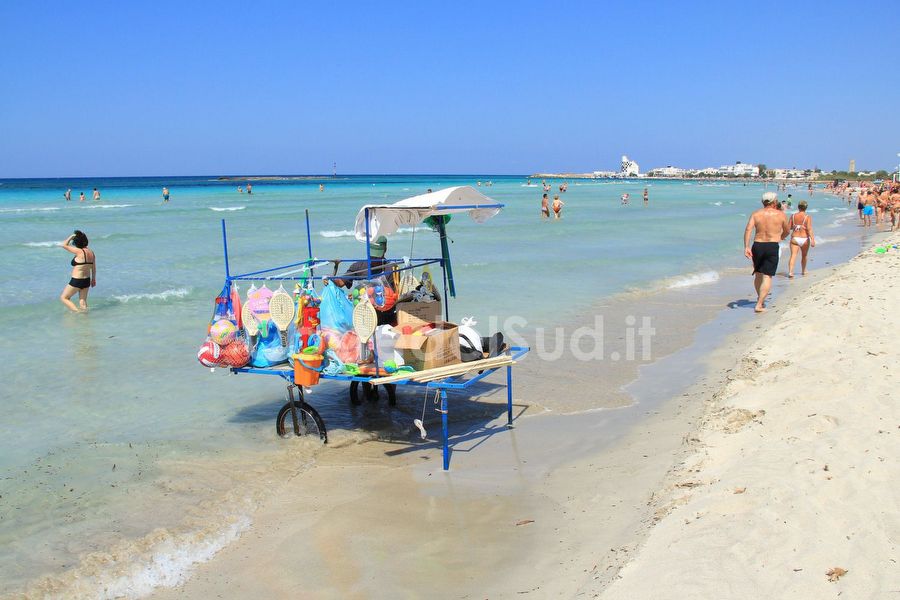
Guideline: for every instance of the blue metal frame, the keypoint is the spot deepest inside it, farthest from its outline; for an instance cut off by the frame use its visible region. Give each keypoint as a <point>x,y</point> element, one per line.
<point>456,383</point>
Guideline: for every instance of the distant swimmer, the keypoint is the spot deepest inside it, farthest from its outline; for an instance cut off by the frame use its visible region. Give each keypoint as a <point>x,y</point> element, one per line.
<point>625,197</point>
<point>68,195</point>
<point>249,188</point>
<point>479,183</point>
<point>545,207</point>
<point>96,194</point>
<point>81,198</point>
<point>557,206</point>
<point>770,228</point>
<point>240,190</point>
<point>809,188</point>
<point>646,196</point>
<point>165,194</point>
<point>321,187</point>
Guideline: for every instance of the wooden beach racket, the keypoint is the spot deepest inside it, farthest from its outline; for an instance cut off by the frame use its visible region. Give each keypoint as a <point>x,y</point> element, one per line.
<point>281,307</point>
<point>365,319</point>
<point>249,321</point>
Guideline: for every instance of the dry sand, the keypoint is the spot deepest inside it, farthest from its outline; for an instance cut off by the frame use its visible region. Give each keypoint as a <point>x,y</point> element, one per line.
<point>794,469</point>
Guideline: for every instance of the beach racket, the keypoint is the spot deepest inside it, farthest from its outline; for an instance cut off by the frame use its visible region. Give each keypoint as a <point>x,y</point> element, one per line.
<point>249,320</point>
<point>408,284</point>
<point>281,307</point>
<point>364,321</point>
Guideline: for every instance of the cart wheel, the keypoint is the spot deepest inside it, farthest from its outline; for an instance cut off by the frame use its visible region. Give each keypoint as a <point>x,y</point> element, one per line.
<point>308,421</point>
<point>392,393</point>
<point>369,392</point>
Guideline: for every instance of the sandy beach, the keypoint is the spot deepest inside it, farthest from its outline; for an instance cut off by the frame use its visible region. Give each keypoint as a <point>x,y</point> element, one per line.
<point>774,468</point>
<point>790,487</point>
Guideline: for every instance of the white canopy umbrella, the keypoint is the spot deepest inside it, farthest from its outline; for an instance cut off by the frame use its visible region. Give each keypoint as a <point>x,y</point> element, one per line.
<point>385,219</point>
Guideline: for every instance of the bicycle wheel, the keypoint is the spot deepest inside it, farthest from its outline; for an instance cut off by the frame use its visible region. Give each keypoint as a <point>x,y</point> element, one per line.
<point>308,422</point>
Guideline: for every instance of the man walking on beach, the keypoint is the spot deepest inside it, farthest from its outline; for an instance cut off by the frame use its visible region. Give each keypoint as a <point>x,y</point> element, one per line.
<point>770,228</point>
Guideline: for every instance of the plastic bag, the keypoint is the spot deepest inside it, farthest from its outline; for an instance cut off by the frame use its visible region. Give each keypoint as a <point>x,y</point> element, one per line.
<point>268,350</point>
<point>336,310</point>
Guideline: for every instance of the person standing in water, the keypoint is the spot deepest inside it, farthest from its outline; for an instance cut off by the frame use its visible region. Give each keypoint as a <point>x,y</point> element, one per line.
<point>802,238</point>
<point>96,195</point>
<point>81,197</point>
<point>240,190</point>
<point>249,188</point>
<point>770,228</point>
<point>84,271</point>
<point>557,207</point>
<point>545,207</point>
<point>646,196</point>
<point>165,194</point>
<point>68,195</point>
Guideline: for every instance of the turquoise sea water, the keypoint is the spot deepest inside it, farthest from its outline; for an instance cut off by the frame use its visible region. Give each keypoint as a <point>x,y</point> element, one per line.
<point>113,437</point>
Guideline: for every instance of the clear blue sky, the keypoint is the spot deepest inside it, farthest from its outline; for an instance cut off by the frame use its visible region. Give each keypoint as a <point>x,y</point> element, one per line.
<point>174,88</point>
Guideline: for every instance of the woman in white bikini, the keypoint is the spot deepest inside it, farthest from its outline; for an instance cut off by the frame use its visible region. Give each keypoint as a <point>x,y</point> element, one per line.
<point>802,237</point>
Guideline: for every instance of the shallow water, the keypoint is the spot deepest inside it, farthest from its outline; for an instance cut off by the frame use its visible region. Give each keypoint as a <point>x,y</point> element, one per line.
<point>113,437</point>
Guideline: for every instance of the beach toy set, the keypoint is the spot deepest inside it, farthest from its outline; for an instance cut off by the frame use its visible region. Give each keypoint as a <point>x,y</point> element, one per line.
<point>372,322</point>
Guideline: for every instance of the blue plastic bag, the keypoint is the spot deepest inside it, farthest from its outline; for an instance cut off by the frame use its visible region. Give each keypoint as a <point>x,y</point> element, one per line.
<point>336,310</point>
<point>268,350</point>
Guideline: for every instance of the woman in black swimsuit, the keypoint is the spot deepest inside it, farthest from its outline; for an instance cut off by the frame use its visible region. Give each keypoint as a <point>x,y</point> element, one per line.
<point>84,271</point>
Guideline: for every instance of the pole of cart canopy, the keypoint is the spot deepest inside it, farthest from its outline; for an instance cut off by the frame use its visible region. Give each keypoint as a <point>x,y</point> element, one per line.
<point>308,238</point>
<point>445,254</point>
<point>225,249</point>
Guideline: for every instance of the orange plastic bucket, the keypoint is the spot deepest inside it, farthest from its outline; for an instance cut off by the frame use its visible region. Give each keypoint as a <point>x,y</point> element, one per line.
<point>306,369</point>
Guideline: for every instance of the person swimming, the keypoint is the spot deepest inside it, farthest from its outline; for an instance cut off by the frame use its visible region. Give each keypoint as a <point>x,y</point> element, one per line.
<point>84,271</point>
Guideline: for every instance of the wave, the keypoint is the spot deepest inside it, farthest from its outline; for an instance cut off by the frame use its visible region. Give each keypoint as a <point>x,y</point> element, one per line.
<point>36,209</point>
<point>228,208</point>
<point>338,233</point>
<point>716,203</point>
<point>107,206</point>
<point>694,279</point>
<point>41,244</point>
<point>135,569</point>
<point>164,295</point>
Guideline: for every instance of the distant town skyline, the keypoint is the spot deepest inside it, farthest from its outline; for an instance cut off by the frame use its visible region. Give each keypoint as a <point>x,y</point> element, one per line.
<point>176,89</point>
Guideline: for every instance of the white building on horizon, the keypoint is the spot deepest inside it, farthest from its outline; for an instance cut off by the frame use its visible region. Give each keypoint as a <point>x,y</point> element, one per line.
<point>668,171</point>
<point>739,169</point>
<point>629,168</point>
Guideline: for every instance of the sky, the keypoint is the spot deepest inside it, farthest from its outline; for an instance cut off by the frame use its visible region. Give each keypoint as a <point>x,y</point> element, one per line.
<point>194,88</point>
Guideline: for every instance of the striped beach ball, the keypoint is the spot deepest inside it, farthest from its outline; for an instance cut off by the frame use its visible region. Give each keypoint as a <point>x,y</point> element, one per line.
<point>208,355</point>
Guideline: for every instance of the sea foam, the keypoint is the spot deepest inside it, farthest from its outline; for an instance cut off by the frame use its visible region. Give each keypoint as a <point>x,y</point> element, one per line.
<point>164,295</point>
<point>41,244</point>
<point>694,279</point>
<point>226,209</point>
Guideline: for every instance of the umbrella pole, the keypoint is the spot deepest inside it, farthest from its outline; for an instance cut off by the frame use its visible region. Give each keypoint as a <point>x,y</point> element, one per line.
<point>445,254</point>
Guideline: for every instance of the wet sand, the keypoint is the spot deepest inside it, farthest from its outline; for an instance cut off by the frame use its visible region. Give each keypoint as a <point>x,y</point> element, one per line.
<point>554,506</point>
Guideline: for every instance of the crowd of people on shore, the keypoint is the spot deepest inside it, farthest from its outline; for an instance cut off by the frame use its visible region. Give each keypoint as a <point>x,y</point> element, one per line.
<point>876,204</point>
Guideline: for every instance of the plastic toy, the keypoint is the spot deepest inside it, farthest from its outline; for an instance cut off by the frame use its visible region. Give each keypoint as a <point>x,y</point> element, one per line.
<point>223,332</point>
<point>209,354</point>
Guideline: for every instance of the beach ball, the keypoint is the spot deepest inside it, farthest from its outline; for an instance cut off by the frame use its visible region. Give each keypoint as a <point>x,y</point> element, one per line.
<point>234,355</point>
<point>209,354</point>
<point>223,332</point>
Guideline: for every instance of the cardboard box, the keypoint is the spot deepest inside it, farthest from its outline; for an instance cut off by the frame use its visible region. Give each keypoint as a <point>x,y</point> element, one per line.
<point>437,349</point>
<point>417,314</point>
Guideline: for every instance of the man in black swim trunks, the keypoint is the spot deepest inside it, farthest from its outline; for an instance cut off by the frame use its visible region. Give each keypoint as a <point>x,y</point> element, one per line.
<point>770,227</point>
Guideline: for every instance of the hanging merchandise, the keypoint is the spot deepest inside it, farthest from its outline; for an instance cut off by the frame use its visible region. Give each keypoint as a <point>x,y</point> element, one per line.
<point>281,307</point>
<point>236,305</point>
<point>335,310</point>
<point>268,350</point>
<point>365,319</point>
<point>258,300</point>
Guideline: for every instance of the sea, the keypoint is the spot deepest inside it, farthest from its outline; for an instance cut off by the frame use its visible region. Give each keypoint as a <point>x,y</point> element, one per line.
<point>123,461</point>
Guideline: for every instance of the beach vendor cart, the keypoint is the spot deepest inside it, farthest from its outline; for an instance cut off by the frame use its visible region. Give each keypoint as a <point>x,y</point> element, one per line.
<point>344,331</point>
